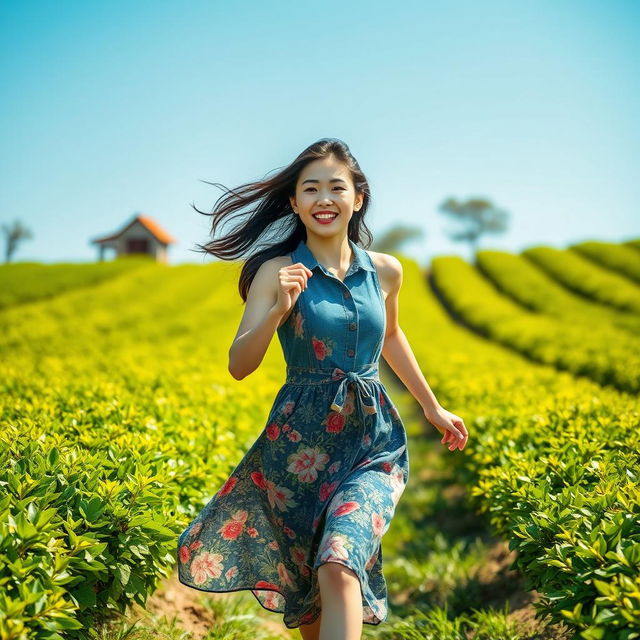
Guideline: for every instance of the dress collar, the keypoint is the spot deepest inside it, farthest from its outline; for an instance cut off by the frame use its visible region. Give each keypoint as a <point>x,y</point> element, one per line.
<point>361,260</point>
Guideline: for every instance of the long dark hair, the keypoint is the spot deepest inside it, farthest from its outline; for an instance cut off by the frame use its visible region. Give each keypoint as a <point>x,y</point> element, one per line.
<point>271,216</point>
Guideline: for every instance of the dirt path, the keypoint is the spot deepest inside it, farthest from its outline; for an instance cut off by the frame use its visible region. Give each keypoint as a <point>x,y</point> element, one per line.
<point>175,599</point>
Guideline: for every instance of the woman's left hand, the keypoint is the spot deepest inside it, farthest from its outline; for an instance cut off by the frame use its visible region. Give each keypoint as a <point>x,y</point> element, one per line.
<point>450,424</point>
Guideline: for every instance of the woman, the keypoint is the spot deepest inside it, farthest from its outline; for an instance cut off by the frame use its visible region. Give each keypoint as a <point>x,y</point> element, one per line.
<point>299,521</point>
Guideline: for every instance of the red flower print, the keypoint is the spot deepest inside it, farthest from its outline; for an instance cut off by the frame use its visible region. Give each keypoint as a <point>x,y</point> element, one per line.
<point>185,554</point>
<point>349,405</point>
<point>231,529</point>
<point>280,497</point>
<point>334,466</point>
<point>252,532</point>
<point>378,523</point>
<point>231,573</point>
<point>290,532</point>
<point>263,584</point>
<point>335,422</point>
<point>387,466</point>
<point>259,479</point>
<point>382,400</point>
<point>346,507</point>
<point>298,555</point>
<point>286,427</point>
<point>274,545</point>
<point>315,523</point>
<point>326,489</point>
<point>294,436</point>
<point>227,486</point>
<point>306,463</point>
<point>195,530</point>
<point>273,601</point>
<point>366,440</point>
<point>320,348</point>
<point>333,548</point>
<point>206,565</point>
<point>195,545</point>
<point>288,408</point>
<point>273,431</point>
<point>286,577</point>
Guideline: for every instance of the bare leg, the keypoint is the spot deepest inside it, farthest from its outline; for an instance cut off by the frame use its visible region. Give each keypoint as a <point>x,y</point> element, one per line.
<point>341,602</point>
<point>311,631</point>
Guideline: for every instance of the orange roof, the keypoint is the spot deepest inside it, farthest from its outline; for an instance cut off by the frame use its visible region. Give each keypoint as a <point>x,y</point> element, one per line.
<point>148,223</point>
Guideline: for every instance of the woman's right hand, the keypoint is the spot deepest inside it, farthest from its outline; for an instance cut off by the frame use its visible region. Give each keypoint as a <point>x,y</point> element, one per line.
<point>292,281</point>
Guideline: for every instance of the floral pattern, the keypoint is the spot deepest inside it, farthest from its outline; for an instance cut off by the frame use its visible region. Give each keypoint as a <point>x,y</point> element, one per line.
<point>318,485</point>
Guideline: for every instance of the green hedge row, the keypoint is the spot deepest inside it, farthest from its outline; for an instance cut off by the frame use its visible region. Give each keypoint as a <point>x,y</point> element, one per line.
<point>617,257</point>
<point>536,291</point>
<point>603,354</point>
<point>587,278</point>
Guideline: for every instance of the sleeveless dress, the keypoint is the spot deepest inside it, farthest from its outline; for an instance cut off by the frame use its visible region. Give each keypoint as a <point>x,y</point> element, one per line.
<point>322,480</point>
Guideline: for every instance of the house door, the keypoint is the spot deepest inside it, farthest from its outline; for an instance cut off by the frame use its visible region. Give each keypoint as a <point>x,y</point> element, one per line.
<point>137,245</point>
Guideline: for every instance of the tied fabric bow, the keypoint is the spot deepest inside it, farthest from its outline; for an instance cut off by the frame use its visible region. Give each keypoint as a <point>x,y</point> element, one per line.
<point>362,385</point>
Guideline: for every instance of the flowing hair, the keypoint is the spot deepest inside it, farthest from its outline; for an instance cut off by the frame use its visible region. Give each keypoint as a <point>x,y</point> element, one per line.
<point>269,216</point>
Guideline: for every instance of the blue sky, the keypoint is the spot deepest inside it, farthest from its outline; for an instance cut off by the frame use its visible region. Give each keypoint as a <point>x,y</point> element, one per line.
<point>113,108</point>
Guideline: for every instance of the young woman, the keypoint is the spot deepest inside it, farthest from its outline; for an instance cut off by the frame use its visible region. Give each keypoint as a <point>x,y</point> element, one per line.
<point>299,521</point>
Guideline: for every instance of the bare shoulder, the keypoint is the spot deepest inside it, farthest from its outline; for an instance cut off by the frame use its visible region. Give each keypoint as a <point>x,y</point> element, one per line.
<point>389,270</point>
<point>265,281</point>
<point>272,265</point>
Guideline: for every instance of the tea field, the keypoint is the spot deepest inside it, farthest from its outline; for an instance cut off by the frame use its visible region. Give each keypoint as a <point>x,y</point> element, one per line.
<point>119,421</point>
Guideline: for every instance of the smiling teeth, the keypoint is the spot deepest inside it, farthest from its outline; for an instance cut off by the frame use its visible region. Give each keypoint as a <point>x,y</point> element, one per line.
<point>325,215</point>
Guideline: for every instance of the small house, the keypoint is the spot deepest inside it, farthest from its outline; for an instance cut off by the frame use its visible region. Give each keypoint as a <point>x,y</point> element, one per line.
<point>140,235</point>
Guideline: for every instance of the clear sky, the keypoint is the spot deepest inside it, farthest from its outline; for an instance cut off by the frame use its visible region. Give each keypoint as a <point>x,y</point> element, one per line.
<point>112,108</point>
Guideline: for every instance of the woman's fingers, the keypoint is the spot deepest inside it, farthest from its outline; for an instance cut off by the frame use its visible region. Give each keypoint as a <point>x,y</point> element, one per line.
<point>456,434</point>
<point>299,273</point>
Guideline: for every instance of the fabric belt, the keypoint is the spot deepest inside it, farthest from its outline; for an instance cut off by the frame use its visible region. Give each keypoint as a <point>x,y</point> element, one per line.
<point>363,380</point>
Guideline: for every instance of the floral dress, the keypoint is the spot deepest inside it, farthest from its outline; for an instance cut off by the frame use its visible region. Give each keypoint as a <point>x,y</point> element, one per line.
<point>322,480</point>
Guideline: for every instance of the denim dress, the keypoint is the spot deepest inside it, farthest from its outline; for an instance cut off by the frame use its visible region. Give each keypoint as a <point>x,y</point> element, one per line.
<point>322,480</point>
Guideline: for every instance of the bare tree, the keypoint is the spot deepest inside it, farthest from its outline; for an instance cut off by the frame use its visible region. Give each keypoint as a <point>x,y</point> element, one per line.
<point>477,216</point>
<point>393,239</point>
<point>14,233</point>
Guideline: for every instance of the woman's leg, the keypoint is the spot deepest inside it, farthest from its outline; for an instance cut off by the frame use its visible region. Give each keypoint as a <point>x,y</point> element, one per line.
<point>341,596</point>
<point>311,631</point>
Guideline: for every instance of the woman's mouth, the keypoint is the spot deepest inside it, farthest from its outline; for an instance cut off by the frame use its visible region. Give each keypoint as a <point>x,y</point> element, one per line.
<point>325,218</point>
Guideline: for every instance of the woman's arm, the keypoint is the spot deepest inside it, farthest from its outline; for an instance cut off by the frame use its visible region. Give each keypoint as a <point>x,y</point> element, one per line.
<point>258,324</point>
<point>397,352</point>
<point>271,296</point>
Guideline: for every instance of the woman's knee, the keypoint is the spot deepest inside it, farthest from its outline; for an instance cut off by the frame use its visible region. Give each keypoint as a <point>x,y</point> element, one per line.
<point>334,574</point>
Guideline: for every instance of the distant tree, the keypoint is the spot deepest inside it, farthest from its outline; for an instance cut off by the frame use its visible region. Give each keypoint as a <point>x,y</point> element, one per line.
<point>477,216</point>
<point>14,234</point>
<point>395,238</point>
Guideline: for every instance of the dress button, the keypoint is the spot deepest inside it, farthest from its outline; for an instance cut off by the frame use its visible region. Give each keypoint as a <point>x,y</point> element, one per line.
<point>351,353</point>
<point>353,326</point>
<point>347,294</point>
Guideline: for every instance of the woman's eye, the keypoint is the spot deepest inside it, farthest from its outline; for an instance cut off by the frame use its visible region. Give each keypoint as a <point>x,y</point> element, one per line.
<point>308,188</point>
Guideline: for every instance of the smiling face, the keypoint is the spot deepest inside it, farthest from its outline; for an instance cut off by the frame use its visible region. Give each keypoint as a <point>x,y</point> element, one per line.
<point>326,185</point>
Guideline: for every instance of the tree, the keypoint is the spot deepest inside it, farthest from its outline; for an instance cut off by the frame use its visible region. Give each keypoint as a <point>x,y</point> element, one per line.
<point>14,234</point>
<point>477,216</point>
